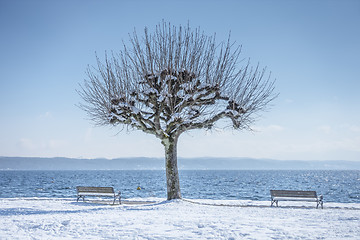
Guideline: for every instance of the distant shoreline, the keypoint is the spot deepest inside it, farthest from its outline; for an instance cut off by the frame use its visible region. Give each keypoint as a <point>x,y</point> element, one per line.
<point>144,163</point>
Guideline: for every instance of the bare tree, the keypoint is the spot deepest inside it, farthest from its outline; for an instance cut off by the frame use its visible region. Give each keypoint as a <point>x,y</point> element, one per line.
<point>172,81</point>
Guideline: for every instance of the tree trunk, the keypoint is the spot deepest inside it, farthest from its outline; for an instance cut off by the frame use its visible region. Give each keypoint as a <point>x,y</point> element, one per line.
<point>172,174</point>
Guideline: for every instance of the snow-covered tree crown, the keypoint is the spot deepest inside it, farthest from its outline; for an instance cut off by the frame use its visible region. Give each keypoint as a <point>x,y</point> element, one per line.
<point>175,80</point>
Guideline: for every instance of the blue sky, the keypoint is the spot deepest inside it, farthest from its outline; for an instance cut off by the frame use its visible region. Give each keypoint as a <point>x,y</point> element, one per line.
<point>311,47</point>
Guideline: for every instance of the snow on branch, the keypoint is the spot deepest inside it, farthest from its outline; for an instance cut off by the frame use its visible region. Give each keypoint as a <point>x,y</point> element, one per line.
<point>175,80</point>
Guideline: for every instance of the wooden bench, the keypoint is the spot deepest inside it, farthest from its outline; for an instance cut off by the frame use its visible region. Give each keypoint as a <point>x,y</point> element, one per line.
<point>97,192</point>
<point>290,195</point>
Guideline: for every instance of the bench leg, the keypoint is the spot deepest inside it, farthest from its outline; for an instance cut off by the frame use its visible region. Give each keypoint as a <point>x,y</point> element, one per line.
<point>115,200</point>
<point>115,197</point>
<point>319,203</point>
<point>274,201</point>
<point>83,197</point>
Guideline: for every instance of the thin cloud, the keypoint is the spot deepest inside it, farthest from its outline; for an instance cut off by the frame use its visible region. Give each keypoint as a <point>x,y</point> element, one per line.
<point>45,115</point>
<point>354,128</point>
<point>325,129</point>
<point>269,128</point>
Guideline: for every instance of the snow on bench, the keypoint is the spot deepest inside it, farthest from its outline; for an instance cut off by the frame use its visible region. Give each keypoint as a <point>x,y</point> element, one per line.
<point>290,195</point>
<point>97,192</point>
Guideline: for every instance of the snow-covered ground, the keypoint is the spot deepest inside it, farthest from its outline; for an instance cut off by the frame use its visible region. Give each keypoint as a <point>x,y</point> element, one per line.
<point>33,218</point>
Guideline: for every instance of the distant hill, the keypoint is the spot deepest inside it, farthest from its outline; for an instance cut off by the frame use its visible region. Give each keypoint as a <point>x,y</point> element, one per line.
<point>142,163</point>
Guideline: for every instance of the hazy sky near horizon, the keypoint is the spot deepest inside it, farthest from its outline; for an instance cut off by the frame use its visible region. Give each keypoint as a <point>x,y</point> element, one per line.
<point>312,49</point>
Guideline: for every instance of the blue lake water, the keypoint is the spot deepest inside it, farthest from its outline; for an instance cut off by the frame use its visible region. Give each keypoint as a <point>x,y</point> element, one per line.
<point>335,186</point>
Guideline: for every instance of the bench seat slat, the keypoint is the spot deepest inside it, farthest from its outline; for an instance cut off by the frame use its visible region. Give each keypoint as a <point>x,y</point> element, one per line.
<point>295,199</point>
<point>95,194</point>
<point>289,193</point>
<point>95,189</point>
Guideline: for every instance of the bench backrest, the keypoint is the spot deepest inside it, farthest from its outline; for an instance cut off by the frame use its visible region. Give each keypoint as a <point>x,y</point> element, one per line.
<point>95,189</point>
<point>291,193</point>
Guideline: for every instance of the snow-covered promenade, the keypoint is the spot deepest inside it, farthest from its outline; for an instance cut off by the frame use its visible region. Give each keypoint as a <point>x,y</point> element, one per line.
<point>206,219</point>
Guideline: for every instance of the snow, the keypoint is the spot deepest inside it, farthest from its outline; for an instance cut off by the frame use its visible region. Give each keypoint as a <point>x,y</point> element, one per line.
<point>44,218</point>
<point>148,91</point>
